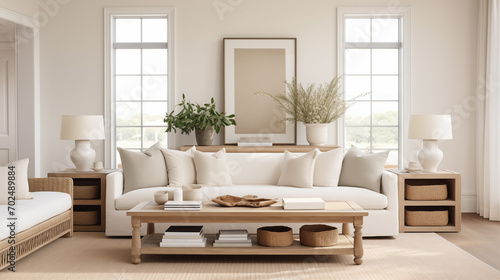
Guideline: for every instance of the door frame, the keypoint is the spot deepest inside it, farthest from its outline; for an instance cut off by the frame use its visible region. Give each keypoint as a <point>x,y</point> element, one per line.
<point>28,88</point>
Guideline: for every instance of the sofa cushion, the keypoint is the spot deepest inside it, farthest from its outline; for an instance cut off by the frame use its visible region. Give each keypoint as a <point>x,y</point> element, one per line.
<point>298,171</point>
<point>363,170</point>
<point>142,170</point>
<point>31,212</point>
<point>131,199</point>
<point>20,179</point>
<point>180,166</point>
<point>255,168</point>
<point>212,169</point>
<point>328,167</point>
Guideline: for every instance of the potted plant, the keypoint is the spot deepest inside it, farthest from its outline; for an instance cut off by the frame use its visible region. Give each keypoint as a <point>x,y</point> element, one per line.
<point>315,106</point>
<point>204,120</point>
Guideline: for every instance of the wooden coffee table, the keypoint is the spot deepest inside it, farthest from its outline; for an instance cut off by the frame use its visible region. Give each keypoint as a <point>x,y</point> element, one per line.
<point>344,212</point>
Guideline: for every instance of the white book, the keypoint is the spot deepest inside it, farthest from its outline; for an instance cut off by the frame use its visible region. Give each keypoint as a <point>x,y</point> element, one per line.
<point>233,244</point>
<point>252,144</point>
<point>307,203</point>
<point>233,232</point>
<point>185,202</point>
<point>198,237</point>
<point>239,239</point>
<point>183,240</point>
<point>182,209</point>
<point>163,244</point>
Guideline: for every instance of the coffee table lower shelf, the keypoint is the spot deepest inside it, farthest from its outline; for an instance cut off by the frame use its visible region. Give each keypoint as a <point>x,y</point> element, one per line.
<point>151,245</point>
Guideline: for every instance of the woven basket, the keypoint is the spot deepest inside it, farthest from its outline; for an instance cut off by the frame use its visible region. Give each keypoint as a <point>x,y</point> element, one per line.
<point>318,235</point>
<point>86,192</point>
<point>275,236</point>
<point>86,218</point>
<point>430,191</point>
<point>422,216</point>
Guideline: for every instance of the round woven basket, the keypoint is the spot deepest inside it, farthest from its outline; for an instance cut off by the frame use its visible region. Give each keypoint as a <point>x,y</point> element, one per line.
<point>318,235</point>
<point>275,236</point>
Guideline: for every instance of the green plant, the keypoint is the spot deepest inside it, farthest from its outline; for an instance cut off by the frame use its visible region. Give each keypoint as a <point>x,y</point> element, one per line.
<point>193,115</point>
<point>312,104</point>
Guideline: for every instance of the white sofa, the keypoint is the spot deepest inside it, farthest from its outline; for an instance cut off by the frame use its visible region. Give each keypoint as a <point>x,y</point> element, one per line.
<point>258,174</point>
<point>40,220</point>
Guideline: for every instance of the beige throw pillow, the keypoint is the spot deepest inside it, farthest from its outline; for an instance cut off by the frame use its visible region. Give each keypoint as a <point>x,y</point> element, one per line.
<point>143,170</point>
<point>328,167</point>
<point>16,172</point>
<point>180,166</point>
<point>363,170</point>
<point>298,171</point>
<point>212,169</point>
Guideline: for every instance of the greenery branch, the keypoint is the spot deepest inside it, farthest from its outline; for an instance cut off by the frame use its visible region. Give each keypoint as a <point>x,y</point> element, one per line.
<point>193,115</point>
<point>312,104</point>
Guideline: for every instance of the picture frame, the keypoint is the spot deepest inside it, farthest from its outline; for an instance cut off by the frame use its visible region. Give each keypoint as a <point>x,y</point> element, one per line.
<point>254,65</point>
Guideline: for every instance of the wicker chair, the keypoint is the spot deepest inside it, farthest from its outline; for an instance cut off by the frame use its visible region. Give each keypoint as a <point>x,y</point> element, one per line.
<point>45,232</point>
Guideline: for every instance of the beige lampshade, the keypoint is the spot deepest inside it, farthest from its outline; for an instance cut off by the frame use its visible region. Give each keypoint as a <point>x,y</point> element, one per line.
<point>82,127</point>
<point>430,127</point>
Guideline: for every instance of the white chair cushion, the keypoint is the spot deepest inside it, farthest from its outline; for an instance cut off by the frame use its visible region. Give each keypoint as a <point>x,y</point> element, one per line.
<point>31,212</point>
<point>20,179</point>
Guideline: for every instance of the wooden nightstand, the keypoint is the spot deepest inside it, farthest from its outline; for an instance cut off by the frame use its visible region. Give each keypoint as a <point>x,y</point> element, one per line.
<point>89,198</point>
<point>452,203</point>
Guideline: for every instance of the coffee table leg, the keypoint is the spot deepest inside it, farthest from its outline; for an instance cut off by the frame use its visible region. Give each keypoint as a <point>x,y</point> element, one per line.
<point>358,240</point>
<point>136,240</point>
<point>151,228</point>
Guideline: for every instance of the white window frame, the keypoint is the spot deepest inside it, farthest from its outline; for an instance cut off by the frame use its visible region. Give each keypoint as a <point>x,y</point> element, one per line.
<point>404,107</point>
<point>109,99</point>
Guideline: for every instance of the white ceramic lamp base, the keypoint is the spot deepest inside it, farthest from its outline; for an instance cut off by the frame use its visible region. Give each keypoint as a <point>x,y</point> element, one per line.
<point>430,156</point>
<point>83,155</point>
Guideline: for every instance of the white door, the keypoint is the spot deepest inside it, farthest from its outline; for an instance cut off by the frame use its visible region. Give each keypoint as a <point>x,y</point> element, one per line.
<point>8,107</point>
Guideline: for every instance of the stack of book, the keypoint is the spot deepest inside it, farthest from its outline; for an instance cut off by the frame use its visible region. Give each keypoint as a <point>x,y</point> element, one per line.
<point>306,203</point>
<point>255,142</point>
<point>183,205</point>
<point>233,238</point>
<point>184,236</point>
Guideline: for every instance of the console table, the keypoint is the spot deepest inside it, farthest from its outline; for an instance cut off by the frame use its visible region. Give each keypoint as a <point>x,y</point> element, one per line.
<point>260,149</point>
<point>344,212</point>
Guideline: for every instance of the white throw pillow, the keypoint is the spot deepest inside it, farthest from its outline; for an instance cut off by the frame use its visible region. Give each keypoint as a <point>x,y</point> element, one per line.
<point>20,179</point>
<point>363,170</point>
<point>212,169</point>
<point>298,171</point>
<point>143,170</point>
<point>180,166</point>
<point>328,167</point>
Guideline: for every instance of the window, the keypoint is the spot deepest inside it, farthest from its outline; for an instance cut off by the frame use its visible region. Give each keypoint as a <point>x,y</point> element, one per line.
<point>373,52</point>
<point>138,77</point>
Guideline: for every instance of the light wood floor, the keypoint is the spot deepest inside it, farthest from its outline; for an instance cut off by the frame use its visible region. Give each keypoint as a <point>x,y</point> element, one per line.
<point>479,237</point>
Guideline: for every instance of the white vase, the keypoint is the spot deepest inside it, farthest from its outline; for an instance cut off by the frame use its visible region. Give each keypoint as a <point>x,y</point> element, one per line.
<point>317,133</point>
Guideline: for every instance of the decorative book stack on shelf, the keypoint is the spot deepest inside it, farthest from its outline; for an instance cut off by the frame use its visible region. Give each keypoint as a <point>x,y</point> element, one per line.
<point>183,206</point>
<point>233,238</point>
<point>184,236</point>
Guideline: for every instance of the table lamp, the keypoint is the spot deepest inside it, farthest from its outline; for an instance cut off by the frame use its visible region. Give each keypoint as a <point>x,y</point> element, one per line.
<point>430,128</point>
<point>82,129</point>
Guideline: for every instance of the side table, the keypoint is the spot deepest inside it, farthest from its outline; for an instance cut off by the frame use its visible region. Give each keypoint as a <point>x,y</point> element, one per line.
<point>452,203</point>
<point>89,198</point>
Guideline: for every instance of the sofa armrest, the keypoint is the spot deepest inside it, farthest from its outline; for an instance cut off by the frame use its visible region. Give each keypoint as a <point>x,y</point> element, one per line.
<point>114,188</point>
<point>389,187</point>
<point>52,184</point>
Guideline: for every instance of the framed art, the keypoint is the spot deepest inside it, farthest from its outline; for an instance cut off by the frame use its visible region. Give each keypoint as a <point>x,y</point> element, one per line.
<point>254,65</point>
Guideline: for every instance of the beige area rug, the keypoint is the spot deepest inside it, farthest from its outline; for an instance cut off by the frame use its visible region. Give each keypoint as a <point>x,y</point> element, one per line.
<point>408,256</point>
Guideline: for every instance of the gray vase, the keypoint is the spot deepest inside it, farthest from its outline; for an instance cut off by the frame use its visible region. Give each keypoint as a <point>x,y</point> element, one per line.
<point>204,137</point>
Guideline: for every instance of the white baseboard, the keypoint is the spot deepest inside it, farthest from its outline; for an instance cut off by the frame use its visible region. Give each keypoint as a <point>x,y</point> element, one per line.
<point>469,204</point>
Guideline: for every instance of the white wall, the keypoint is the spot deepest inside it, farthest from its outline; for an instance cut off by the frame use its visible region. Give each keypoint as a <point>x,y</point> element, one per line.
<point>24,7</point>
<point>443,60</point>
